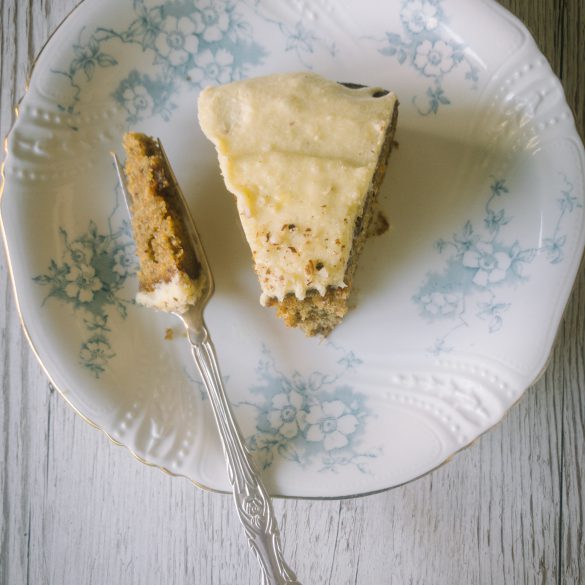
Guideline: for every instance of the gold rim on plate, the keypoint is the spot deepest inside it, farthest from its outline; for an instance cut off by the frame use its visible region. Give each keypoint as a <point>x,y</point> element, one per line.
<point>135,455</point>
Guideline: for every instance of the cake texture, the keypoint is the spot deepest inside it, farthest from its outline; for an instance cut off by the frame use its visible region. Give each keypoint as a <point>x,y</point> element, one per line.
<point>305,158</point>
<point>169,274</point>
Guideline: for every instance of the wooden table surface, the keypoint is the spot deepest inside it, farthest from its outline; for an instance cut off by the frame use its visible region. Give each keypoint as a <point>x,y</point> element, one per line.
<point>76,510</point>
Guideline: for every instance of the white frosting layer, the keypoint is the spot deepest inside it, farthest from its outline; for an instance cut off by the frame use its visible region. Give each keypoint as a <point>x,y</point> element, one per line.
<point>299,153</point>
<point>175,296</point>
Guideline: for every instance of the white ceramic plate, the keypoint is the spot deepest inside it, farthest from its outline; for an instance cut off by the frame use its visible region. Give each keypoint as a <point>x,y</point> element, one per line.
<point>457,305</point>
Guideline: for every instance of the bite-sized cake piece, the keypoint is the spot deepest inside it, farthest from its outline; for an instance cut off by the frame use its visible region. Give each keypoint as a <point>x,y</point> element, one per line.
<point>169,275</point>
<point>305,158</point>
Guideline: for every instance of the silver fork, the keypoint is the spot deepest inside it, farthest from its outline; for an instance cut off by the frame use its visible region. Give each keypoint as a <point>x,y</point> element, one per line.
<point>252,501</point>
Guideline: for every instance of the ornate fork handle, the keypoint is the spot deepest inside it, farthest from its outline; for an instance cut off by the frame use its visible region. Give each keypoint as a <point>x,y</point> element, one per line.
<point>252,500</point>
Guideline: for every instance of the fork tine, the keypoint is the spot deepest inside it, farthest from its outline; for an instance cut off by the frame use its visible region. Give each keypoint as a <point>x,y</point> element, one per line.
<point>122,181</point>
<point>169,167</point>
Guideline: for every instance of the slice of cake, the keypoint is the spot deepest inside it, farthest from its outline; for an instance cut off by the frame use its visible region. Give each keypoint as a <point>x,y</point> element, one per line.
<point>169,274</point>
<point>305,158</point>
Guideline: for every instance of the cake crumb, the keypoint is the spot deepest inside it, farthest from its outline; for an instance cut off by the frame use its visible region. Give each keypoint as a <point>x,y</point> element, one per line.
<point>175,333</point>
<point>379,225</point>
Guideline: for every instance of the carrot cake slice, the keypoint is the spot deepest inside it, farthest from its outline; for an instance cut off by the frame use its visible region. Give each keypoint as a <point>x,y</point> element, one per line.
<point>305,158</point>
<point>169,273</point>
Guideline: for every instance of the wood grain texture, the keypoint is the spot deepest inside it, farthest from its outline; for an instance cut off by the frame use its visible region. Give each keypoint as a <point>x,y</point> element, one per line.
<point>508,510</point>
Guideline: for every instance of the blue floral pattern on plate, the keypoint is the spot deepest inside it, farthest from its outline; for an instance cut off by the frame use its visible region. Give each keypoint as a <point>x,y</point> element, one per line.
<point>92,271</point>
<point>301,39</point>
<point>192,43</point>
<point>431,53</point>
<point>482,262</point>
<point>311,418</point>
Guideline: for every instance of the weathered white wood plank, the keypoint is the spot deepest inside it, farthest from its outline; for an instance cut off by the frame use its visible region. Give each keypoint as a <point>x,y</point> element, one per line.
<point>572,528</point>
<point>77,510</point>
<point>19,371</point>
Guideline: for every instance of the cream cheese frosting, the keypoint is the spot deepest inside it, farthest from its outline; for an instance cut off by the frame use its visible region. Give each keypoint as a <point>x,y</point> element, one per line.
<point>174,296</point>
<point>298,151</point>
